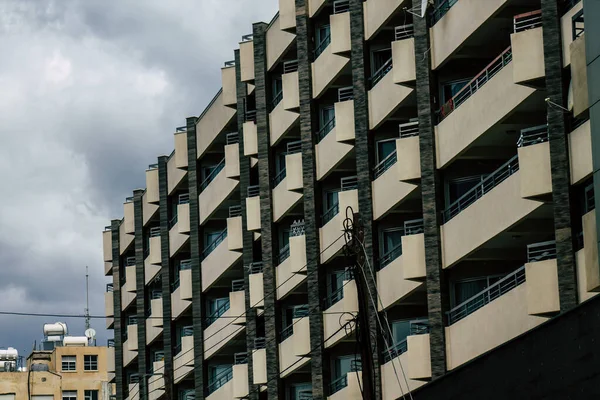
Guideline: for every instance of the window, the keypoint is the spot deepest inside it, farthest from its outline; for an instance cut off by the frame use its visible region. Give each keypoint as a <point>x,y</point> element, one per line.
<point>210,238</point>
<point>69,394</point>
<point>465,289</point>
<point>450,89</point>
<point>297,390</point>
<point>331,199</point>
<point>455,188</point>
<point>215,304</point>
<point>216,372</point>
<point>343,365</point>
<point>284,238</point>
<point>277,87</point>
<point>326,115</point>
<point>385,148</point>
<point>69,363</point>
<point>322,34</point>
<point>90,362</point>
<point>390,239</point>
<point>335,283</point>
<point>91,395</point>
<point>280,162</point>
<point>379,58</point>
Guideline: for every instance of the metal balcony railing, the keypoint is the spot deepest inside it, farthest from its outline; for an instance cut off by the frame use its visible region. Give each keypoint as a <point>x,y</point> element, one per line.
<point>578,24</point>
<point>345,93</point>
<point>325,129</point>
<point>240,358</point>
<point>155,231</point>
<point>384,165</point>
<point>322,46</point>
<point>486,296</point>
<point>156,294</point>
<point>487,184</point>
<point>338,384</point>
<point>541,251</point>
<point>130,261</point>
<point>259,343</point>
<point>290,66</point>
<point>441,10</point>
<point>404,32</point>
<point>159,356</point>
<point>476,83</point>
<point>212,175</point>
<point>185,264</point>
<point>109,287</point>
<point>413,227</point>
<point>232,138</point>
<point>184,198</point>
<point>219,381</point>
<point>330,213</point>
<point>300,311</point>
<point>284,253</point>
<point>529,20</point>
<point>235,211</point>
<point>187,395</point>
<point>134,378</point>
<point>110,343</point>
<point>279,177</point>
<point>390,256</point>
<point>132,320</point>
<point>341,6</point>
<point>213,245</point>
<point>294,147</point>
<point>181,129</point>
<point>333,298</point>
<point>276,99</point>
<point>534,135</point>
<point>408,129</point>
<point>287,332</point>
<point>152,166</point>
<point>381,72</point>
<point>173,221</point>
<point>578,241</point>
<point>305,395</point>
<point>129,199</point>
<point>250,115</point>
<point>417,327</point>
<point>237,285</point>
<point>255,267</point>
<point>297,228</point>
<point>349,183</point>
<point>208,321</point>
<point>253,191</point>
<point>187,331</point>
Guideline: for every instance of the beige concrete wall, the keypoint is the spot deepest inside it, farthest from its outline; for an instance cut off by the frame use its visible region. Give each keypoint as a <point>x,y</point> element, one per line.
<point>582,293</point>
<point>179,302</point>
<point>256,290</point>
<point>329,153</point>
<point>130,283</point>
<point>148,210</point>
<point>391,389</point>
<point>126,299</point>
<point>378,12</point>
<point>283,200</point>
<point>250,133</point>
<point>226,327</point>
<point>413,257</point>
<point>385,98</point>
<point>334,317</point>
<point>215,194</point>
<point>107,268</point>
<point>388,191</point>
<point>340,32</point>
<point>125,239</point>
<point>183,363</point>
<point>579,82</point>
<point>293,171</point>
<point>181,155</point>
<point>253,213</point>
<point>484,109</point>
<point>528,55</point>
<point>156,383</point>
<point>281,122</point>
<point>534,168</point>
<point>109,304</point>
<point>287,14</point>
<point>291,91</point>
<point>419,357</point>
<point>232,160</point>
<point>217,263</point>
<point>580,153</point>
<point>110,359</point>
<point>314,6</point>
<point>298,253</point>
<point>128,355</point>
<point>286,279</point>
<point>107,245</point>
<point>325,69</point>
<point>152,332</point>
<point>490,326</point>
<point>351,392</point>
<point>174,175</point>
<point>475,225</point>
<point>590,250</point>
<point>150,270</point>
<point>183,218</point>
<point>212,123</point>
<point>229,86</point>
<point>403,60</point>
<point>240,381</point>
<point>185,277</point>
<point>449,33</point>
<point>132,334</point>
<point>344,121</point>
<point>152,186</point>
<point>542,287</point>
<point>567,32</point>
<point>295,347</point>
<point>259,366</point>
<point>128,219</point>
<point>234,233</point>
<point>408,153</point>
<point>247,61</point>
<point>155,251</point>
<point>278,42</point>
<point>225,392</point>
<point>329,235</point>
<point>391,283</point>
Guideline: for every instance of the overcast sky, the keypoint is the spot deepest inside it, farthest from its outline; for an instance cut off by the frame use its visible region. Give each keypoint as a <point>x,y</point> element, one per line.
<point>90,94</point>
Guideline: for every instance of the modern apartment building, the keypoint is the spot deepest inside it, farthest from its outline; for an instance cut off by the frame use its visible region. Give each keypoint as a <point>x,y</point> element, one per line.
<point>461,135</point>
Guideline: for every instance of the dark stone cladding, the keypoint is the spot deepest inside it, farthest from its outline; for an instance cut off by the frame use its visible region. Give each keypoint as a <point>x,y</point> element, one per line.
<point>437,288</point>
<point>247,236</point>
<point>140,284</point>
<point>364,154</point>
<point>195,234</point>
<point>118,313</point>
<point>274,391</point>
<point>315,274</point>
<point>166,276</point>
<point>559,155</point>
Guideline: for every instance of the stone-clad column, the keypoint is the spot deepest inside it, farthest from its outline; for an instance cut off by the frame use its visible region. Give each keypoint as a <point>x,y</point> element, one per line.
<point>559,155</point>
<point>315,279</point>
<point>140,284</point>
<point>431,194</point>
<point>195,246</point>
<point>247,236</point>
<point>119,324</point>
<point>166,276</point>
<point>266,217</point>
<point>364,155</point>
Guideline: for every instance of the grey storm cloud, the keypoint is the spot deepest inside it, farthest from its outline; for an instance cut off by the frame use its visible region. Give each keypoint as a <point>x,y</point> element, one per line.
<point>91,93</point>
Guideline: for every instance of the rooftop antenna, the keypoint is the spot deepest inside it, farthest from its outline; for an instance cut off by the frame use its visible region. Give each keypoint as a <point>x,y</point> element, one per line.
<point>87,299</point>
<point>418,13</point>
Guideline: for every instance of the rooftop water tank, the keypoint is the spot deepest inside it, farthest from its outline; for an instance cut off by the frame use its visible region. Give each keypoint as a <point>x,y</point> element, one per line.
<point>55,329</point>
<point>8,366</point>
<point>9,354</point>
<point>75,341</point>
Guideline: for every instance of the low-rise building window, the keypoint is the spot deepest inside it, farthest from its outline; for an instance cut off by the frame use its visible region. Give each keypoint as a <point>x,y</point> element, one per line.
<point>90,362</point>
<point>91,395</point>
<point>69,363</point>
<point>69,394</point>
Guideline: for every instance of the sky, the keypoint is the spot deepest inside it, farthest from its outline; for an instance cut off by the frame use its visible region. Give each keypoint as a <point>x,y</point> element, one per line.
<point>91,92</point>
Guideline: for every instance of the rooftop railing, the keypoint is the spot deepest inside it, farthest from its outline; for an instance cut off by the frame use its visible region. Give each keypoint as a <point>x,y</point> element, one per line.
<point>529,20</point>
<point>325,129</point>
<point>152,166</point>
<point>253,190</point>
<point>441,10</point>
<point>534,135</point>
<point>322,46</point>
<point>181,129</point>
<point>404,32</point>
<point>486,296</point>
<point>217,313</point>
<point>212,175</point>
<point>487,184</point>
<point>213,245</point>
<point>381,72</point>
<point>219,381</point>
<point>541,251</point>
<point>476,83</point>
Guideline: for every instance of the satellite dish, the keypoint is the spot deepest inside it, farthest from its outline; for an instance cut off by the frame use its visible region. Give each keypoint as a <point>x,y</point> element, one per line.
<point>90,333</point>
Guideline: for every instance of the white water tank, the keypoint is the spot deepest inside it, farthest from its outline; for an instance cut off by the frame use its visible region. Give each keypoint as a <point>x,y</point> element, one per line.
<point>75,341</point>
<point>55,329</point>
<point>8,366</point>
<point>9,354</point>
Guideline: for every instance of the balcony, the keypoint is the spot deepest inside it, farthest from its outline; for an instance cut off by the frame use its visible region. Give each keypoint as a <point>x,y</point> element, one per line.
<point>256,284</point>
<point>152,192</point>
<point>154,322</point>
<point>130,345</point>
<point>282,119</point>
<point>278,42</point>
<point>221,386</point>
<point>149,210</point>
<point>109,308</point>
<point>579,96</point>
<point>247,59</point>
<point>287,15</point>
<point>348,386</point>
<point>468,222</point>
<point>412,355</point>
<point>220,184</point>
<point>107,246</point>
<point>294,349</point>
<point>228,83</point>
<point>152,256</point>
<point>134,391</point>
<point>213,121</point>
<point>291,263</point>
<point>225,324</point>
<point>568,33</point>
<point>181,297</point>
<point>110,357</point>
<point>183,362</point>
<point>330,240</point>
<point>259,362</point>
<point>378,12</point>
<point>402,270</point>
<point>181,149</point>
<point>329,61</point>
<point>287,186</point>
<point>175,175</point>
<point>250,136</point>
<point>253,208</point>
<point>340,308</point>
<point>515,304</point>
<point>156,382</point>
<point>335,139</point>
<point>179,226</point>
<point>126,228</point>
<point>222,253</point>
<point>240,376</point>
<point>587,259</point>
